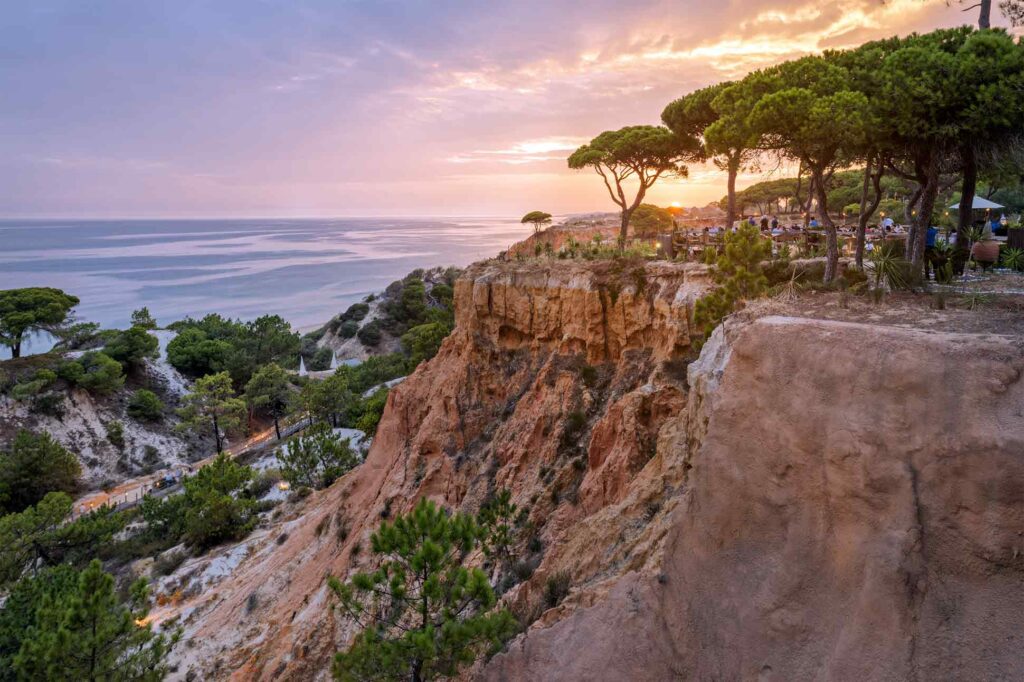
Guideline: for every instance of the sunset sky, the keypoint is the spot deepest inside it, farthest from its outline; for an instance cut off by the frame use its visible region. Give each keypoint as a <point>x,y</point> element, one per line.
<point>137,108</point>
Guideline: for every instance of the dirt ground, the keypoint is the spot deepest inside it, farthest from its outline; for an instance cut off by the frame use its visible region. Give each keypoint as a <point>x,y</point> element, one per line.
<point>982,303</point>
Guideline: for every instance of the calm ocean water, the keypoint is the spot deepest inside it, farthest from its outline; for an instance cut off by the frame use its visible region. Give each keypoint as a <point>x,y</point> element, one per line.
<point>304,270</point>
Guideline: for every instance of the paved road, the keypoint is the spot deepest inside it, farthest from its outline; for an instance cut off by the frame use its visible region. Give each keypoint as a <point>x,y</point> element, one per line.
<point>130,492</point>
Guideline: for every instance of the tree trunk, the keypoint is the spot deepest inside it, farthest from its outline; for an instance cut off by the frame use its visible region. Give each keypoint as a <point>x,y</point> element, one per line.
<point>867,211</point>
<point>985,14</point>
<point>965,219</point>
<point>831,237</point>
<point>16,349</point>
<point>916,243</point>
<point>862,220</point>
<point>730,211</point>
<point>277,428</point>
<point>216,433</point>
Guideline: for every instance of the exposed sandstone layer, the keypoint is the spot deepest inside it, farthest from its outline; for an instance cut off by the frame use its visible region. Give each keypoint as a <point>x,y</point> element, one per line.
<point>855,510</point>
<point>808,500</point>
<point>558,236</point>
<point>537,347</point>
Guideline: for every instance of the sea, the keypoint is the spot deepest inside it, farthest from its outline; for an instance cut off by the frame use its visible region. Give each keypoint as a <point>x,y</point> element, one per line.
<point>304,270</point>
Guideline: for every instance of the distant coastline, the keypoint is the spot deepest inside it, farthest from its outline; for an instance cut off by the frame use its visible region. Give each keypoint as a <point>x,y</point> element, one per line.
<point>305,270</point>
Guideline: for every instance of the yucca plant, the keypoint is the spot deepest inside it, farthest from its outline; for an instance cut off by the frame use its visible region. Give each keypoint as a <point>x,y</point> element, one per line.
<point>889,268</point>
<point>1013,259</point>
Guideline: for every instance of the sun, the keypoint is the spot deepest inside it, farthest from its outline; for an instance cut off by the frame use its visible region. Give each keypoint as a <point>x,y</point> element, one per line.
<point>676,204</point>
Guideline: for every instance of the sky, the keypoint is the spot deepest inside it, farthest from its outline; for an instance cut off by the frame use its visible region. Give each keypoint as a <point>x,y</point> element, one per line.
<point>253,108</point>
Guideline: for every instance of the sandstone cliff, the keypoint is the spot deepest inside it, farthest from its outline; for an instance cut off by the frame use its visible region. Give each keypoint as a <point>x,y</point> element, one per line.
<point>808,499</point>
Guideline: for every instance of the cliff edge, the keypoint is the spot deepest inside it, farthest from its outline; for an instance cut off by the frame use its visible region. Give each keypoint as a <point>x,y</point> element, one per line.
<point>809,498</point>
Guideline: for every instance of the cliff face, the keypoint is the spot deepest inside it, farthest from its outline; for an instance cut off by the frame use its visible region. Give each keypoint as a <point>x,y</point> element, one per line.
<point>808,499</point>
<point>555,384</point>
<point>855,510</point>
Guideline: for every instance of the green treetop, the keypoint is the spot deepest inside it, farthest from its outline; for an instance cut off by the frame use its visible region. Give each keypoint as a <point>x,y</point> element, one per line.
<point>717,115</point>
<point>142,318</point>
<point>43,535</point>
<point>270,390</point>
<point>641,154</point>
<point>27,310</point>
<point>216,510</point>
<point>812,115</point>
<point>538,218</point>
<point>649,220</point>
<point>132,346</point>
<point>211,402</point>
<point>86,635</point>
<point>424,614</point>
<point>316,458</point>
<point>35,465</point>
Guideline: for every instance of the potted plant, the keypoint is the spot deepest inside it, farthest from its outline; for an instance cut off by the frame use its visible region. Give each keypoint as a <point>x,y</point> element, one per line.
<point>985,250</point>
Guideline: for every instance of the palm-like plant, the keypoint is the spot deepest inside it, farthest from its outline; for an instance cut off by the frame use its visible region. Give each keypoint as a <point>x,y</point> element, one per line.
<point>1013,259</point>
<point>889,267</point>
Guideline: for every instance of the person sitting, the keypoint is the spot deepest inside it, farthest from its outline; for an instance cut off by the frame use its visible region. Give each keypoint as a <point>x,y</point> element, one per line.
<point>813,224</point>
<point>764,223</point>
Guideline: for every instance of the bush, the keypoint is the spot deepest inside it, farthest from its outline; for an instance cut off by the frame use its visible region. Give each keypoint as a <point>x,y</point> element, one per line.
<point>40,381</point>
<point>316,458</point>
<point>348,329</point>
<point>51,404</point>
<point>115,434</point>
<point>370,334</point>
<point>737,273</point>
<point>320,360</point>
<point>36,464</point>
<point>168,562</point>
<point>215,512</point>
<point>101,374</point>
<point>356,312</point>
<point>423,341</point>
<point>145,406</point>
<point>132,346</point>
<point>556,588</point>
<point>372,410</point>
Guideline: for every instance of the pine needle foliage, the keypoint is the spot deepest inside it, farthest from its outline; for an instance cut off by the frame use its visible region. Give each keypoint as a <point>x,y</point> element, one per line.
<point>738,273</point>
<point>88,635</point>
<point>424,614</point>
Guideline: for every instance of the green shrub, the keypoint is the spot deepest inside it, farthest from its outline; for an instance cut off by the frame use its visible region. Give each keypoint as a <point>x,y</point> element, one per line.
<point>738,274</point>
<point>34,465</point>
<point>348,329</point>
<point>372,410</point>
<point>356,312</point>
<point>370,334</point>
<point>41,380</point>
<point>316,458</point>
<point>145,406</point>
<point>168,562</point>
<point>556,588</point>
<point>132,346</point>
<point>423,341</point>
<point>100,374</point>
<point>115,434</point>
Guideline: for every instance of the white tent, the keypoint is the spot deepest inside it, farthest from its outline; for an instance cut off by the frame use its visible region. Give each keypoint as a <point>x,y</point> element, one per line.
<point>334,360</point>
<point>302,367</point>
<point>979,204</point>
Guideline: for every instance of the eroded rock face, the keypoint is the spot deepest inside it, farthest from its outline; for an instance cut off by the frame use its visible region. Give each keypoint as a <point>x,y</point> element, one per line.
<point>807,500</point>
<point>556,384</point>
<point>855,511</point>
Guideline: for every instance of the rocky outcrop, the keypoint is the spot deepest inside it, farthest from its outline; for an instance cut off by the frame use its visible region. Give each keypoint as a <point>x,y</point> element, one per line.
<point>854,511</point>
<point>808,499</point>
<point>555,384</point>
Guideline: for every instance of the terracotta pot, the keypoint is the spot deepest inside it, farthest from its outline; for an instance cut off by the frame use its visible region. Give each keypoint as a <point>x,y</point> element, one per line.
<point>986,252</point>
